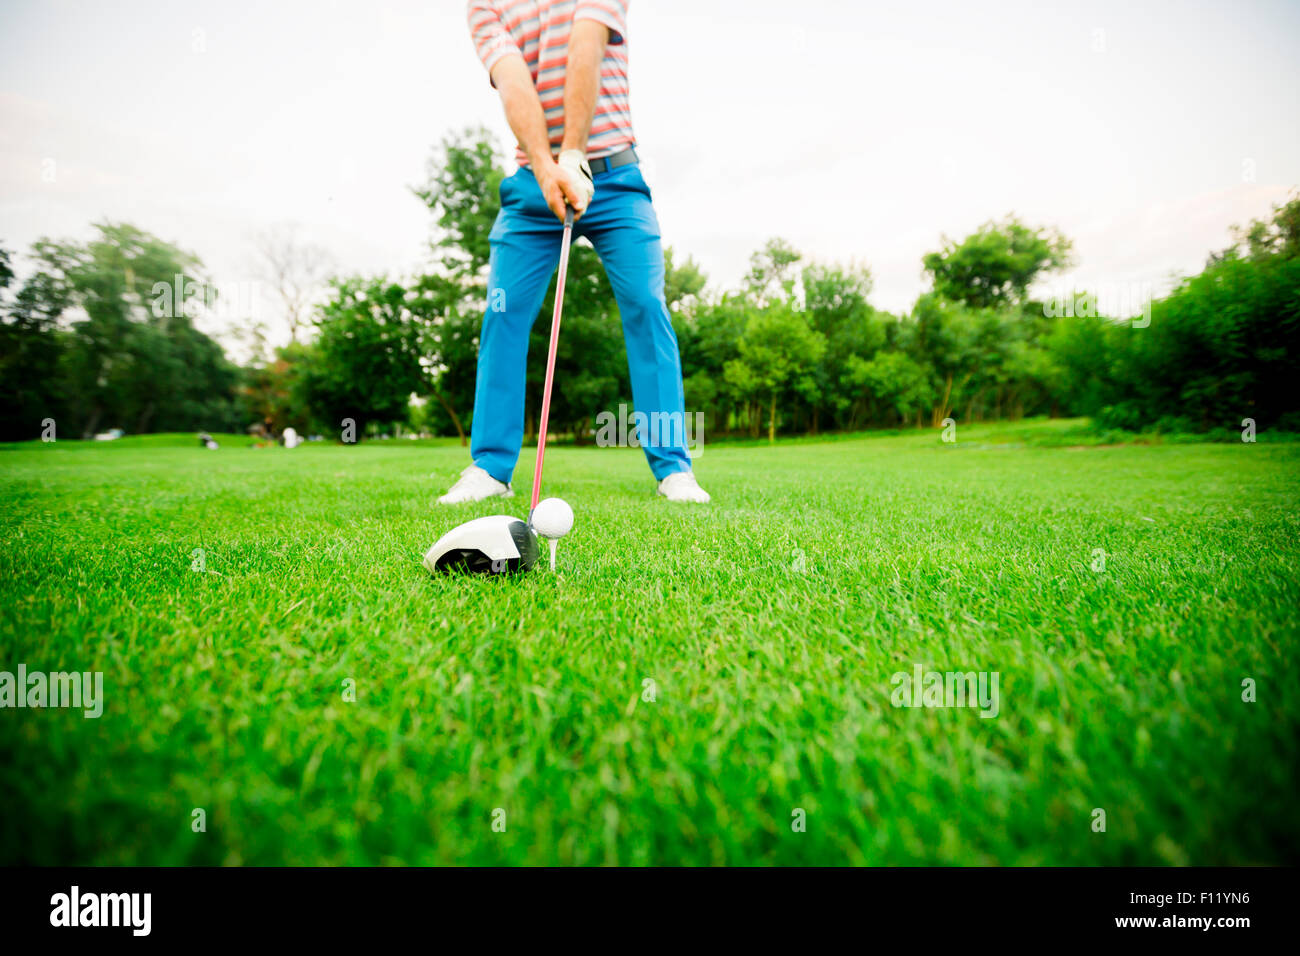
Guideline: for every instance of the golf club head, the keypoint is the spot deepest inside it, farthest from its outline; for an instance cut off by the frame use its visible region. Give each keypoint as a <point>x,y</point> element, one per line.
<point>493,545</point>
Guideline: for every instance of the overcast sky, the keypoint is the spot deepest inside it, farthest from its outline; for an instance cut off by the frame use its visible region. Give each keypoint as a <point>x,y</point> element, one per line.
<point>859,131</point>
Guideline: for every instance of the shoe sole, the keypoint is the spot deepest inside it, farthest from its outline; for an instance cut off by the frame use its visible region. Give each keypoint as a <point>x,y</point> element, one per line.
<point>470,501</point>
<point>682,501</point>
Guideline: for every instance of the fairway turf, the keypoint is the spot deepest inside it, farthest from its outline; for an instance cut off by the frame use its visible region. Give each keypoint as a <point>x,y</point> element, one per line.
<point>770,623</point>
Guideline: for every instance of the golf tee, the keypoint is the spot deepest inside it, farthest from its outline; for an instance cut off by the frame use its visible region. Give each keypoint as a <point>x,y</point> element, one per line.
<point>552,542</point>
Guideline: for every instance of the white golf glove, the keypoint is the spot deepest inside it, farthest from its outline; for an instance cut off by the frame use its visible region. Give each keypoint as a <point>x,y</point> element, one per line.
<point>574,161</point>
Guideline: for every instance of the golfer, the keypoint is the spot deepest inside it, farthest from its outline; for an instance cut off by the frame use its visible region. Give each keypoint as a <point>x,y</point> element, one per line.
<point>561,69</point>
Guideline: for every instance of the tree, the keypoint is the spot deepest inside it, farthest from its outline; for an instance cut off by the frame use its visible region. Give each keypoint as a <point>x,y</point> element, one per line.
<point>1264,238</point>
<point>30,351</point>
<point>275,389</point>
<point>709,335</point>
<point>942,336</point>
<point>296,270</point>
<point>772,275</point>
<point>447,323</point>
<point>1222,347</point>
<point>1083,349</point>
<point>777,353</point>
<point>365,363</point>
<point>996,265</point>
<point>461,189</point>
<point>682,283</point>
<point>895,382</point>
<point>836,301</point>
<point>133,356</point>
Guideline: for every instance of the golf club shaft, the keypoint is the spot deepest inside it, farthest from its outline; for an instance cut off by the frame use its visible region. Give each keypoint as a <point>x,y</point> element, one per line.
<point>550,357</point>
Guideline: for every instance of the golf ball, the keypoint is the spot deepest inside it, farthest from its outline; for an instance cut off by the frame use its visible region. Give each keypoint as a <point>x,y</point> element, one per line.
<point>552,518</point>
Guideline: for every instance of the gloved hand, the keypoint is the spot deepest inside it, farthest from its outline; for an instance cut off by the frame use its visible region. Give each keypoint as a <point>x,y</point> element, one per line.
<point>574,162</point>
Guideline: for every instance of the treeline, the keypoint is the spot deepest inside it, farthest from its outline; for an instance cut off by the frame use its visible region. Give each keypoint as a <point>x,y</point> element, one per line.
<point>798,348</point>
<point>801,349</point>
<point>88,342</point>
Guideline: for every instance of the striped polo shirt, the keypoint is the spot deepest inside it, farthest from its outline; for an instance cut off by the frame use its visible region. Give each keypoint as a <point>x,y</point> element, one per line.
<point>539,31</point>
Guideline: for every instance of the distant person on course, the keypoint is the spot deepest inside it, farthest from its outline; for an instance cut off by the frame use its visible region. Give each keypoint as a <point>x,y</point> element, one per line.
<point>561,69</point>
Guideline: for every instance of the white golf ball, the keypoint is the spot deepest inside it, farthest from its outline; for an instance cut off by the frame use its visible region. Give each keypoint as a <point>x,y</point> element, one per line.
<point>552,518</point>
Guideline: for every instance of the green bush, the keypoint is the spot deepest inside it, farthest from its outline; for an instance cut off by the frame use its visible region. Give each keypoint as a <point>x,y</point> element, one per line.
<point>1223,347</point>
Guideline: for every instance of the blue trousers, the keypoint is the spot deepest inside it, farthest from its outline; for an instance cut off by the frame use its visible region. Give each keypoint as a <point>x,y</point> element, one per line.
<point>525,240</point>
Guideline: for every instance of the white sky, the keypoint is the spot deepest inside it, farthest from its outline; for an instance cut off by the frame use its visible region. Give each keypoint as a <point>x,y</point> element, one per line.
<point>859,131</point>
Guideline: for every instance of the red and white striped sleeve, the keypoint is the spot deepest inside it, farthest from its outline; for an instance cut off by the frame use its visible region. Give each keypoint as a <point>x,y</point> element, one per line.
<point>492,40</point>
<point>612,13</point>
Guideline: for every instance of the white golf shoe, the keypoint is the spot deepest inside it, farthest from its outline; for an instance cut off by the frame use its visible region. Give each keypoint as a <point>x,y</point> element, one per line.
<point>682,486</point>
<point>475,484</point>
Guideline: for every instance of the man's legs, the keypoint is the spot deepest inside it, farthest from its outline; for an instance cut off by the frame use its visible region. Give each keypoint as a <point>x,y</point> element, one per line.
<point>525,250</point>
<point>622,225</point>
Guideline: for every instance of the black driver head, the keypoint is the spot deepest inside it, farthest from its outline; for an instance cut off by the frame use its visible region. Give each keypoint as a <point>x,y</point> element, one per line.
<point>484,546</point>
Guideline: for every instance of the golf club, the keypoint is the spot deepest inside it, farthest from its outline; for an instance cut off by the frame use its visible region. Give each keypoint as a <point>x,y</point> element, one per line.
<point>550,359</point>
<point>501,542</point>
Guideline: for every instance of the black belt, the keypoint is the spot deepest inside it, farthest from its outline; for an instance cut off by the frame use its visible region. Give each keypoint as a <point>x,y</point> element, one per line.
<point>603,165</point>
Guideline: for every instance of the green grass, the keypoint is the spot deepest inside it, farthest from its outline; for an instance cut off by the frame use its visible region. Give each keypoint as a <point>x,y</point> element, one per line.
<point>1119,690</point>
